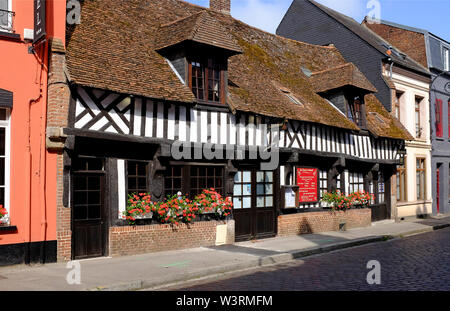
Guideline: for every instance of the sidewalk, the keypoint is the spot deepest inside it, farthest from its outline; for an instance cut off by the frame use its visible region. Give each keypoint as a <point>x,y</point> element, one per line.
<point>158,269</point>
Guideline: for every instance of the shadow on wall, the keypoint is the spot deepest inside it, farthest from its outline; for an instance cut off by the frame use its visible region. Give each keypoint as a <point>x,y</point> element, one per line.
<point>304,227</point>
<point>422,212</point>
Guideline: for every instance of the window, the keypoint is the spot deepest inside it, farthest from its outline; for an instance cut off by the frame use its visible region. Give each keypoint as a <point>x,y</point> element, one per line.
<point>137,177</point>
<point>242,191</point>
<point>398,97</point>
<point>207,81</point>
<point>401,183</point>
<point>192,180</point>
<point>4,158</point>
<point>446,59</point>
<point>323,182</point>
<point>377,188</point>
<point>439,127</point>
<point>355,182</point>
<point>420,178</point>
<point>354,110</point>
<point>205,177</point>
<point>417,117</point>
<point>5,15</point>
<point>173,180</point>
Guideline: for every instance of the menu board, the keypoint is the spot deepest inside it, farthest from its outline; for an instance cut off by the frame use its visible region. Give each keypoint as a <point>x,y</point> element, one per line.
<point>308,181</point>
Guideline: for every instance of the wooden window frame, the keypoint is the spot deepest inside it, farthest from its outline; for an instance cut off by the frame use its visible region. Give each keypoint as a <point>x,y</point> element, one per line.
<point>206,64</point>
<point>438,115</point>
<point>355,112</point>
<point>417,119</point>
<point>402,195</point>
<point>422,195</point>
<point>6,124</point>
<point>398,97</point>
<point>128,176</point>
<point>9,18</point>
<point>186,179</point>
<point>351,183</point>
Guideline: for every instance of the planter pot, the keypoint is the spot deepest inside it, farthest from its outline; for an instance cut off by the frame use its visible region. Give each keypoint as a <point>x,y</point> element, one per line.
<point>145,216</point>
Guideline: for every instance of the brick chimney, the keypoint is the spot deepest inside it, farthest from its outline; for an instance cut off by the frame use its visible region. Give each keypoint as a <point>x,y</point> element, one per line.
<point>223,6</point>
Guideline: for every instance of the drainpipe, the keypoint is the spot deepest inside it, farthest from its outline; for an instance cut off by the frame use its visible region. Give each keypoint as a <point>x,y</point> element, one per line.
<point>43,164</point>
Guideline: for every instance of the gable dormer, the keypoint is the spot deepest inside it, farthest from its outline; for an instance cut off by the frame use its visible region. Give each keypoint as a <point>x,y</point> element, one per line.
<point>345,87</point>
<point>197,48</point>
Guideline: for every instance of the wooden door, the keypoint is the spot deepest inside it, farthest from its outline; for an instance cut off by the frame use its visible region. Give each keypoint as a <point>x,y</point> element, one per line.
<point>254,204</point>
<point>88,216</point>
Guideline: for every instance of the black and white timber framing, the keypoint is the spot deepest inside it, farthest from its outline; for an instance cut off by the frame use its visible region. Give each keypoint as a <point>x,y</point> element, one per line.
<point>104,111</point>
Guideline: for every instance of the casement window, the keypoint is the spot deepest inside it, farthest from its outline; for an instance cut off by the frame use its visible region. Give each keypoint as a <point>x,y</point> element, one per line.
<point>439,125</point>
<point>446,59</point>
<point>398,97</point>
<point>137,173</point>
<point>243,185</point>
<point>6,15</point>
<point>323,183</point>
<point>4,158</point>
<point>377,188</point>
<point>420,179</point>
<point>401,183</point>
<point>207,80</point>
<point>191,180</point>
<point>355,182</point>
<point>355,110</point>
<point>418,101</point>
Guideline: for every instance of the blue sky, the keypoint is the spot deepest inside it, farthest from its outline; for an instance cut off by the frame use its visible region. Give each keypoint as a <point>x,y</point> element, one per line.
<point>432,15</point>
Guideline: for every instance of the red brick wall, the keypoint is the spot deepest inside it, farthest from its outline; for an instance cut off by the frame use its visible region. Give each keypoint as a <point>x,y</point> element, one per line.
<point>133,240</point>
<point>409,42</point>
<point>314,222</point>
<point>57,118</point>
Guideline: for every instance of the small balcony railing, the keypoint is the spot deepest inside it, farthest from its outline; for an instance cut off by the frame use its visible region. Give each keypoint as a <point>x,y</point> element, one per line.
<point>6,20</point>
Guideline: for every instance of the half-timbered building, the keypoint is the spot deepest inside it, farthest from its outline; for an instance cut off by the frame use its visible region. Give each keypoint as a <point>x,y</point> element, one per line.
<point>169,97</point>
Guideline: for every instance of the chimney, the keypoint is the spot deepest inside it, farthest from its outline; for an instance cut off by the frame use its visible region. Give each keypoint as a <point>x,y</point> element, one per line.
<point>223,6</point>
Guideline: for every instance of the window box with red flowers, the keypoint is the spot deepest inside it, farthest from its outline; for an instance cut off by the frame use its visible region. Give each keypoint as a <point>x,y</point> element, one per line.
<point>178,209</point>
<point>339,201</point>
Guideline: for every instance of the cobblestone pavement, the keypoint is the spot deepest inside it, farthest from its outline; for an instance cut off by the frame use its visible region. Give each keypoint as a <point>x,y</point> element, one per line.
<point>420,262</point>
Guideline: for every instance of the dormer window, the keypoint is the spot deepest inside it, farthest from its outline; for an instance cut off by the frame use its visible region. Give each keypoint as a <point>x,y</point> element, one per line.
<point>355,110</point>
<point>207,80</point>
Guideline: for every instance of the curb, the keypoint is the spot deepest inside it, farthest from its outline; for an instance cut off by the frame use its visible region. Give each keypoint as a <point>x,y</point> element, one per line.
<point>259,262</point>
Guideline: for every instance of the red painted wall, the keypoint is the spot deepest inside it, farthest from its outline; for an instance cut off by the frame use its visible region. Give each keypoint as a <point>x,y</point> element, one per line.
<point>33,170</point>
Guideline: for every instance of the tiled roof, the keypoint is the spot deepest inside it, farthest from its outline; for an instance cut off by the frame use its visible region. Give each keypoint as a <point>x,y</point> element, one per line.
<point>201,27</point>
<point>342,75</point>
<point>114,48</point>
<point>381,123</point>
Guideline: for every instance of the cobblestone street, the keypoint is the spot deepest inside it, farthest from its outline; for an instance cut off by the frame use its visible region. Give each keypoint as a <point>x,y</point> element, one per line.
<point>419,262</point>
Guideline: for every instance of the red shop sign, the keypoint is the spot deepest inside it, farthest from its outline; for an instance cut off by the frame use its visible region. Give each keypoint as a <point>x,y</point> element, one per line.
<point>308,181</point>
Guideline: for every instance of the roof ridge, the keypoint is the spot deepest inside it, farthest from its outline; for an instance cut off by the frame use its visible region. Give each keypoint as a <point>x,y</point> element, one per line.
<point>333,68</point>
<point>181,19</point>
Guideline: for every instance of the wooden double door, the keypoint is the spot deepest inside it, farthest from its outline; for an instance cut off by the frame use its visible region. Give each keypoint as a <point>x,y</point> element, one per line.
<point>254,204</point>
<point>88,209</point>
